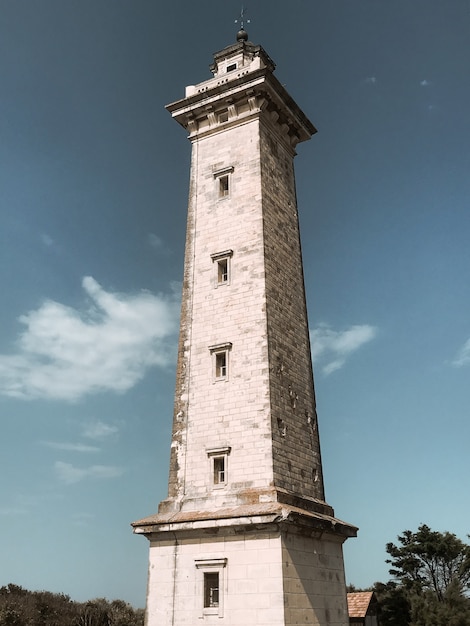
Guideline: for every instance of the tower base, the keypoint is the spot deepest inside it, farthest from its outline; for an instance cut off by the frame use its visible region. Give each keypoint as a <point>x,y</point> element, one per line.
<point>263,565</point>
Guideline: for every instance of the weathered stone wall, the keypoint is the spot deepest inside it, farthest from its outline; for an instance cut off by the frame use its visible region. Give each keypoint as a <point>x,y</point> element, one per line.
<point>232,412</point>
<point>178,445</point>
<point>269,578</point>
<point>265,409</point>
<point>252,593</point>
<point>296,450</point>
<point>314,585</point>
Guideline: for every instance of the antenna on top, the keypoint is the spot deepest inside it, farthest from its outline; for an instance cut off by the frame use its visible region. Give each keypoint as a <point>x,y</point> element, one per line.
<point>241,19</point>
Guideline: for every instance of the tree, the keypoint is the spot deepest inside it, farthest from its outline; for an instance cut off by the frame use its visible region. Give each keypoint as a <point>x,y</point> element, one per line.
<point>394,604</point>
<point>124,614</point>
<point>9,616</point>
<point>453,610</point>
<point>95,613</point>
<point>430,561</point>
<point>20,607</point>
<point>431,583</point>
<point>101,612</point>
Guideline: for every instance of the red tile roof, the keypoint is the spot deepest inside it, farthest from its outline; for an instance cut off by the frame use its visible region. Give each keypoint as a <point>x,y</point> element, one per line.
<point>358,603</point>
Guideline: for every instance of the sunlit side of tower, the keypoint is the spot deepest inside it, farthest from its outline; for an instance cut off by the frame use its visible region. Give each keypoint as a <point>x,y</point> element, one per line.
<point>245,536</point>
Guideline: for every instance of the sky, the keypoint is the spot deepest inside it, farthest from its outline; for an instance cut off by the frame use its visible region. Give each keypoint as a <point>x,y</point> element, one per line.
<point>93,198</point>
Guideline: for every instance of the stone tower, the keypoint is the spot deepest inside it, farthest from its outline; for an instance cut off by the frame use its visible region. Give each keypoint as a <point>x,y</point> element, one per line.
<point>245,536</point>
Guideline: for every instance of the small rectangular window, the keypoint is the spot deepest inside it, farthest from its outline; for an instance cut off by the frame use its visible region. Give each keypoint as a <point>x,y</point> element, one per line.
<point>224,186</point>
<point>221,365</point>
<point>211,586</point>
<point>222,261</point>
<point>211,590</point>
<point>220,355</point>
<point>223,176</point>
<point>222,271</point>
<point>231,67</point>
<point>219,470</point>
<point>218,459</point>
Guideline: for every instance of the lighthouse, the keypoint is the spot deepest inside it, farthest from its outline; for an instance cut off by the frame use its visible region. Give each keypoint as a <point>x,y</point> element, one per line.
<point>245,536</point>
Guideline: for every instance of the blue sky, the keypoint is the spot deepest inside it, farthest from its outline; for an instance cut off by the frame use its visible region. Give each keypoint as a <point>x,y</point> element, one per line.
<point>93,195</point>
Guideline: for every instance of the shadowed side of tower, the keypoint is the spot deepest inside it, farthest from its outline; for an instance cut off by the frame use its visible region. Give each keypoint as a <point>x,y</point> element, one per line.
<point>245,535</point>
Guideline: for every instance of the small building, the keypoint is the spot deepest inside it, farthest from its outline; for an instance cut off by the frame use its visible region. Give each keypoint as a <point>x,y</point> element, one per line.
<point>362,608</point>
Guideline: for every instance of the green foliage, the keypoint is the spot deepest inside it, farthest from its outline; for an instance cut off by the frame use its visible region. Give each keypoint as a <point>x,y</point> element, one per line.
<point>20,607</point>
<point>430,561</point>
<point>394,604</point>
<point>452,610</point>
<point>431,583</point>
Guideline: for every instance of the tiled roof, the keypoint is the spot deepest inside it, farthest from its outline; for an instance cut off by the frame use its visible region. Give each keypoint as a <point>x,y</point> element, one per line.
<point>358,603</point>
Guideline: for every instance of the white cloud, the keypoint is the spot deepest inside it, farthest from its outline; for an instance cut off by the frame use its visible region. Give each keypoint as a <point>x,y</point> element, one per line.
<point>424,83</point>
<point>371,80</point>
<point>70,447</point>
<point>463,356</point>
<point>65,353</point>
<point>99,430</point>
<point>333,347</point>
<point>69,474</point>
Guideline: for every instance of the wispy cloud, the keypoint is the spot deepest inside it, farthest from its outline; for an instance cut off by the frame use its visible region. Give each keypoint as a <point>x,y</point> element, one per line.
<point>70,447</point>
<point>12,511</point>
<point>69,474</point>
<point>463,355</point>
<point>82,519</point>
<point>332,348</point>
<point>65,353</point>
<point>158,244</point>
<point>47,240</point>
<point>425,83</point>
<point>155,241</point>
<point>99,430</point>
<point>26,503</point>
<point>370,80</point>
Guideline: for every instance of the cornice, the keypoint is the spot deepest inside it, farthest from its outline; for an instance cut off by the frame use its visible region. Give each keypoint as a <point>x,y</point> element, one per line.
<point>239,100</point>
